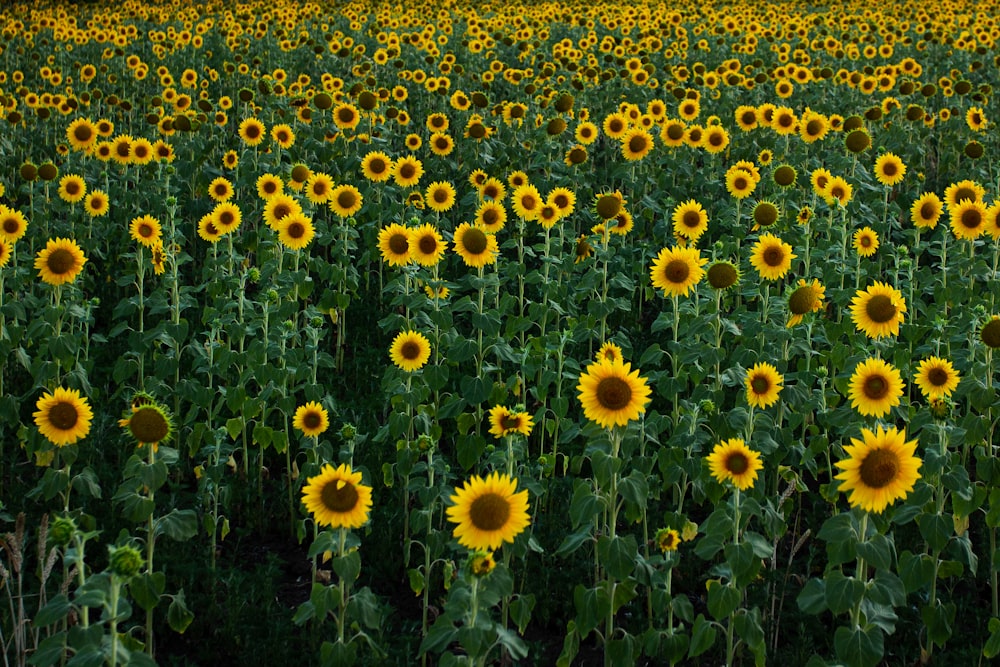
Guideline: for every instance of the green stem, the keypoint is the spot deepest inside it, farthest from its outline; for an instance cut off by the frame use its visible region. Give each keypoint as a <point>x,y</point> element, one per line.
<point>860,572</point>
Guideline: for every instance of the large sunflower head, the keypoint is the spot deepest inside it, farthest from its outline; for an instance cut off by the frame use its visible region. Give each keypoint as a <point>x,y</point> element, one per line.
<point>612,393</point>
<point>505,423</point>
<point>968,219</point>
<point>610,352</point>
<point>345,200</point>
<point>936,378</point>
<point>491,216</point>
<point>926,210</point>
<point>690,220</point>
<point>958,192</point>
<point>475,246</point>
<point>676,270</point>
<point>394,244</point>
<point>763,383</point>
<point>488,512</point>
<point>878,310</point>
<point>376,167</point>
<point>312,419</point>
<point>278,207</point>
<point>772,257</point>
<point>269,185</point>
<point>63,416</point>
<point>146,230</point>
<point>880,469</point>
<point>147,422</point>
<point>319,187</point>
<point>296,231</point>
<point>440,196</point>
<point>220,189</point>
<point>990,333</point>
<point>410,350</point>
<point>875,387</point>
<point>337,498</point>
<point>60,262</point>
<point>805,298</point>
<point>427,246</point>
<point>731,460</point>
<point>251,131</point>
<point>889,169</point>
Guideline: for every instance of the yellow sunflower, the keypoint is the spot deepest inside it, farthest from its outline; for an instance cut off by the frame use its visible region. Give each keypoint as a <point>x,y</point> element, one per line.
<point>765,213</point>
<point>296,231</point>
<point>612,393</point>
<point>410,350</point>
<point>6,250</point>
<point>838,191</point>
<point>337,498</point>
<point>739,183</point>
<point>491,216</point>
<point>772,257</point>
<point>13,224</point>
<point>427,246</point>
<point>377,167</point>
<point>676,270</point>
<point>504,423</point>
<point>394,244</point>
<point>716,139</point>
<point>731,460</point>
<point>805,298</point>
<point>148,422</point>
<point>610,352</point>
<point>879,470</point>
<point>63,416</point>
<point>319,187</point>
<point>690,220</point>
<point>60,262</point>
<point>251,131</point>
<point>889,169</point>
<point>667,539</point>
<point>346,116</point>
<point>72,188</point>
<point>968,219</point>
<point>345,200</point>
<point>278,207</point>
<point>526,200</point>
<point>81,134</point>
<point>878,310</point>
<point>636,144</point>
<point>158,258</point>
<point>97,204</point>
<point>312,419</point>
<point>488,512</point>
<point>956,193</point>
<point>475,246</point>
<point>441,144</point>
<point>269,185</point>
<point>227,217</point>
<point>207,229</point>
<point>763,383</point>
<point>146,230</point>
<point>866,241</point>
<point>936,378</point>
<point>875,387</point>
<point>407,170</point>
<point>493,189</point>
<point>283,135</point>
<point>440,196</point>
<point>926,211</point>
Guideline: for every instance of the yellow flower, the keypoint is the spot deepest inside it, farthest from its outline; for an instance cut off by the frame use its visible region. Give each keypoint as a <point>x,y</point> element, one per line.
<point>936,378</point>
<point>763,383</point>
<point>410,350</point>
<point>488,512</point>
<point>337,498</point>
<point>60,262</point>
<point>878,310</point>
<point>879,470</point>
<point>612,394</point>
<point>731,460</point>
<point>875,387</point>
<point>772,257</point>
<point>677,270</point>
<point>63,416</point>
<point>312,419</point>
<point>504,423</point>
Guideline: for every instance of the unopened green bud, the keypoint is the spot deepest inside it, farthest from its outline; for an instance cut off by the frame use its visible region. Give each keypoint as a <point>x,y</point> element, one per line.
<point>316,322</point>
<point>348,431</point>
<point>124,561</point>
<point>62,531</point>
<point>253,274</point>
<point>273,296</point>
<point>707,406</point>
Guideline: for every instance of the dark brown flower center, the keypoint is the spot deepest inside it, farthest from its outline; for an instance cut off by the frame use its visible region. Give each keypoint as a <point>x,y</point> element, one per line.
<point>813,128</point>
<point>613,393</point>
<point>489,511</point>
<point>737,463</point>
<point>938,376</point>
<point>928,211</point>
<point>148,425</point>
<point>876,387</point>
<point>577,155</point>
<point>773,256</point>
<point>677,271</point>
<point>440,195</point>
<point>637,144</point>
<point>509,422</point>
<point>61,261</point>
<point>83,133</point>
<point>964,193</point>
<point>990,334</point>
<point>347,199</point>
<point>760,384</point>
<point>972,218</point>
<point>691,219</point>
<point>72,188</point>
<point>281,211</point>
<point>474,241</point>
<point>296,230</point>
<point>490,216</point>
<point>880,309</point>
<point>890,169</point>
<point>399,244</point>
<point>410,350</point>
<point>675,132</point>
<point>407,170</point>
<point>428,244</point>
<point>528,202</point>
<point>377,166</point>
<point>802,300</point>
<point>63,416</point>
<point>339,496</point>
<point>765,214</point>
<point>11,226</point>
<point>879,468</point>
<point>312,420</point>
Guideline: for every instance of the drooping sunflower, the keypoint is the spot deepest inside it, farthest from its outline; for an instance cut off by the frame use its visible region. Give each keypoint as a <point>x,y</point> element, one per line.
<point>722,275</point>
<point>148,422</point>
<point>63,416</point>
<point>878,310</point>
<point>60,262</point>
<point>158,258</point>
<point>690,220</point>
<point>407,170</point>
<point>251,131</point>
<point>731,460</point>
<point>889,169</point>
<point>676,270</point>
<point>866,242</point>
<point>879,470</point>
<point>296,231</point>
<point>612,393</point>
<point>636,144</point>
<point>990,332</point>
<point>582,250</point>
<point>765,213</point>
<point>968,219</point>
<point>146,230</point>
<point>72,188</point>
<point>875,387</point>
<point>504,423</point>
<point>13,224</point>
<point>772,257</point>
<point>377,167</point>
<point>410,350</point>
<point>475,246</point>
<point>427,246</point>
<point>394,244</point>
<point>926,211</point>
<point>936,378</point>
<point>491,216</point>
<point>440,196</point>
<point>312,419</point>
<point>227,217</point>
<point>488,512</point>
<point>345,200</point>
<point>804,299</point>
<point>763,383</point>
<point>337,498</point>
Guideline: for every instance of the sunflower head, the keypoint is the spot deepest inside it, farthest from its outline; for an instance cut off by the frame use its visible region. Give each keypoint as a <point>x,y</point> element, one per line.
<point>63,416</point>
<point>612,394</point>
<point>667,539</point>
<point>722,275</point>
<point>488,512</point>
<point>990,333</point>
<point>880,469</point>
<point>337,498</point>
<point>147,422</point>
<point>731,460</point>
<point>480,563</point>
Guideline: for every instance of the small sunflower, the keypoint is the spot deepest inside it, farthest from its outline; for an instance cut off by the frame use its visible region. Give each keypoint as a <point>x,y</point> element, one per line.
<point>72,188</point>
<point>207,229</point>
<point>667,539</point>
<point>220,189</point>
<point>690,220</point>
<point>636,144</point>
<point>475,246</point>
<point>377,167</point>
<point>427,246</point>
<point>866,242</point>
<point>410,350</point>
<point>839,192</point>
<point>346,116</point>
<point>609,352</point>
<point>676,270</point>
<point>805,298</point>
<point>936,378</point>
<point>269,185</point>
<point>278,207</point>
<point>968,219</point>
<point>715,140</point>
<point>875,387</point>
<point>488,512</point>
<point>731,460</point>
<point>504,423</point>
<point>440,196</point>
<point>763,383</point>
<point>312,419</point>
<point>146,230</point>
<point>526,201</point>
<point>612,393</point>
<point>296,231</point>
<point>345,200</point>
<point>63,416</point>
<point>251,131</point>
<point>878,310</point>
<point>739,183</point>
<point>319,187</point>
<point>926,211</point>
<point>81,134</point>
<point>13,224</point>
<point>406,171</point>
<point>394,244</point>
<point>772,257</point>
<point>60,262</point>
<point>97,204</point>
<point>6,250</point>
<point>283,135</point>
<point>491,216</point>
<point>158,258</point>
<point>889,169</point>
<point>880,469</point>
<point>226,217</point>
<point>337,498</point>
<point>582,250</point>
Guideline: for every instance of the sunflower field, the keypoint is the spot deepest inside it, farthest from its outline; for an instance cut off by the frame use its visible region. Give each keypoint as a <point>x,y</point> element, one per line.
<point>476,333</point>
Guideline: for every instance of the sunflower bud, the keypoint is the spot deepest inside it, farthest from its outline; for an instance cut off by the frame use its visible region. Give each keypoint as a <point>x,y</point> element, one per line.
<point>253,274</point>
<point>480,563</point>
<point>316,322</point>
<point>425,443</point>
<point>707,406</point>
<point>62,531</point>
<point>273,296</point>
<point>124,561</point>
<point>349,431</point>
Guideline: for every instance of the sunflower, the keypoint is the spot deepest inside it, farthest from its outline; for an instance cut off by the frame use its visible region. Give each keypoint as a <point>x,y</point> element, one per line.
<point>975,119</point>
<point>838,191</point>
<point>746,117</point>
<point>475,246</point>
<point>345,200</point>
<point>610,352</point>
<point>6,250</point>
<point>563,199</point>
<point>772,257</point>
<point>227,217</point>
<point>878,310</point>
<point>207,229</point>
<point>13,224</point>
<point>278,207</point>
<point>526,201</point>
<point>804,215</point>
<point>142,152</point>
<point>319,187</point>
<point>61,261</point>
<point>731,460</point>
<point>857,141</point>
<point>889,169</point>
<point>804,299</point>
<point>820,181</point>
<point>612,393</point>
<point>63,416</point>
<point>722,275</point>
<point>158,259</point>
<point>337,498</point>
<point>346,116</point>
<point>488,512</point>
<point>956,193</point>
<point>586,133</point>
<point>992,222</point>
<point>690,220</point>
<point>739,183</point>
<point>377,167</point>
<point>440,196</point>
<point>251,131</point>
<point>394,244</point>
<point>866,241</point>
<point>504,423</point>
<point>936,378</point>
<point>765,213</point>
<point>312,419</point>
<point>410,350</point>
<point>763,383</point>
<point>990,333</point>
<point>636,144</point>
<point>582,250</point>
<point>97,204</point>
<point>283,135</point>
<point>677,270</point>
<point>81,134</point>
<point>783,121</point>
<point>441,144</point>
<point>667,539</point>
<point>879,470</point>
<point>296,231</point>
<point>407,170</point>
<point>926,211</point>
<point>621,224</point>
<point>615,125</point>
<point>72,188</point>
<point>269,185</point>
<point>427,246</point>
<point>146,230</point>
<point>493,189</point>
<point>875,387</point>
<point>148,422</point>
<point>968,219</point>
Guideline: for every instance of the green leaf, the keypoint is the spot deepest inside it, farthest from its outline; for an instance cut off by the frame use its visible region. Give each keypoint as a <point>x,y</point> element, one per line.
<point>702,636</point>
<point>842,593</point>
<point>520,611</point>
<point>178,525</point>
<point>338,654</point>
<point>146,588</point>
<point>939,620</point>
<point>936,530</point>
<point>748,628</point>
<point>348,567</point>
<point>234,427</point>
<point>49,651</point>
<point>634,489</point>
<point>860,647</point>
<point>178,615</point>
<point>992,647</point>
<point>575,540</point>
<point>584,506</point>
<point>56,610</point>
<point>876,551</point>
<point>439,636</point>
<point>723,599</point>
<point>416,580</point>
<point>743,562</point>
<point>592,607</point>
<point>617,555</point>
<point>571,646</point>
<point>916,571</point>
<point>812,597</point>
